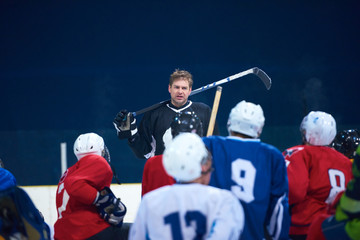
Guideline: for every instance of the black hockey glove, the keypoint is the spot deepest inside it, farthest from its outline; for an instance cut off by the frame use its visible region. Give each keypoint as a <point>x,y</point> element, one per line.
<point>110,208</point>
<point>125,124</point>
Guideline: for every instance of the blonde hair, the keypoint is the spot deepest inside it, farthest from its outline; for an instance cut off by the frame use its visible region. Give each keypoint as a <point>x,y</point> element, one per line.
<point>181,74</point>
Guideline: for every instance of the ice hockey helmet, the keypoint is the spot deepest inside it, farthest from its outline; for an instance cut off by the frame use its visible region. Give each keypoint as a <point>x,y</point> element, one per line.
<point>346,142</point>
<point>89,143</point>
<point>318,128</point>
<point>184,156</point>
<point>246,118</point>
<point>186,122</point>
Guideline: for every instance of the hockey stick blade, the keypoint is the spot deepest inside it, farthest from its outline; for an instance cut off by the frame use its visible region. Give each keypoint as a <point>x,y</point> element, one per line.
<point>263,76</point>
<point>255,70</point>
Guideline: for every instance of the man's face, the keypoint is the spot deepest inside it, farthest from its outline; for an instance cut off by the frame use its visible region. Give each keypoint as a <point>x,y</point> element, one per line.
<point>206,171</point>
<point>179,92</point>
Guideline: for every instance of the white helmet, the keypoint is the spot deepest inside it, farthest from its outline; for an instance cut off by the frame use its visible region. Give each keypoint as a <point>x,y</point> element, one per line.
<point>89,143</point>
<point>318,128</point>
<point>246,118</point>
<point>184,156</point>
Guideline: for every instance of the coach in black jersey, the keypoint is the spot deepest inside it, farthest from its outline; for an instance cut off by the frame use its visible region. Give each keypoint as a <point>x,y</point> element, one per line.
<point>148,139</point>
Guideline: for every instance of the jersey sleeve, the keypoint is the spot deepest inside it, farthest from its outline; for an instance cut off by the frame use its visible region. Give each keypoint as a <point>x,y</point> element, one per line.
<point>298,177</point>
<point>278,217</point>
<point>143,144</point>
<point>92,176</point>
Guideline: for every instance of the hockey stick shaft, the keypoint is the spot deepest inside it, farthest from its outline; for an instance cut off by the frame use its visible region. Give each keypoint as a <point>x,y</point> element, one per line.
<point>256,71</point>
<point>214,111</point>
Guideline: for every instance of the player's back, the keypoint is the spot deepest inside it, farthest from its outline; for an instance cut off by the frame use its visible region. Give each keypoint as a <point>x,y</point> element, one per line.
<point>74,198</point>
<point>188,211</point>
<point>316,174</point>
<point>327,170</point>
<point>253,171</point>
<point>154,167</point>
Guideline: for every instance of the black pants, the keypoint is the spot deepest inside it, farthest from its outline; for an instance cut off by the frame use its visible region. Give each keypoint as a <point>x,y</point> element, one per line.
<point>298,237</point>
<point>113,232</point>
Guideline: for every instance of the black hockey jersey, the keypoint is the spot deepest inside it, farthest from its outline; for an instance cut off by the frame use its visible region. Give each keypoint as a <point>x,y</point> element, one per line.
<point>150,140</point>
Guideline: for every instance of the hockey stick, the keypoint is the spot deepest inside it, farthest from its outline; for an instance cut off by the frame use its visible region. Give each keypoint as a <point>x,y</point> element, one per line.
<point>214,111</point>
<point>256,71</point>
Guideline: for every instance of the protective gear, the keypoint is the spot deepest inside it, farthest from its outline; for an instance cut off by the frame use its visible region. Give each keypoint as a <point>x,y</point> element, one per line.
<point>19,217</point>
<point>125,124</point>
<point>184,156</point>
<point>246,118</point>
<point>186,122</point>
<point>89,143</point>
<point>110,208</point>
<point>318,128</point>
<point>346,142</point>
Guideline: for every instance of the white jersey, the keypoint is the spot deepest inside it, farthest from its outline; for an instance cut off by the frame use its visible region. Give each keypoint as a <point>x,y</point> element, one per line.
<point>188,211</point>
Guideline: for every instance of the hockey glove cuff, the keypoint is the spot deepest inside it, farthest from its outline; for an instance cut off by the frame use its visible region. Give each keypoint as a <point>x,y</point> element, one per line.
<point>125,125</point>
<point>110,208</point>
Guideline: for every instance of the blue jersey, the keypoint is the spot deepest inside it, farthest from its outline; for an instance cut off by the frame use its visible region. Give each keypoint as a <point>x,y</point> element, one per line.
<point>256,174</point>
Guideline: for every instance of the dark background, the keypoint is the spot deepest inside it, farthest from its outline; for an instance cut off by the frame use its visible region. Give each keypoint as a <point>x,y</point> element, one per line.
<point>67,68</point>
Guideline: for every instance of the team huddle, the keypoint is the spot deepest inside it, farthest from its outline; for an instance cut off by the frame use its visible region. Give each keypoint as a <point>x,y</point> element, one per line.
<point>215,187</point>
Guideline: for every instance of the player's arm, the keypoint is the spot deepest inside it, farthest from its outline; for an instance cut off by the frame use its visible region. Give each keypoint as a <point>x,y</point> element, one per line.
<point>91,176</point>
<point>139,139</point>
<point>143,144</point>
<point>298,177</point>
<point>125,125</point>
<point>278,218</point>
<point>110,208</point>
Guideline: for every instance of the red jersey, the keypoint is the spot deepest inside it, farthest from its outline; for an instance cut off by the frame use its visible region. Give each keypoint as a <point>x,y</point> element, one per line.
<point>154,175</point>
<point>77,216</point>
<point>315,230</point>
<point>316,174</point>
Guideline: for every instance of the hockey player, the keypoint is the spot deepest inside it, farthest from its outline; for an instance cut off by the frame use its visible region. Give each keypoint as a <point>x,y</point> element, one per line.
<point>154,174</point>
<point>346,142</point>
<point>254,171</point>
<point>316,172</point>
<point>19,218</point>
<point>189,209</point>
<point>147,140</point>
<point>344,223</point>
<point>87,208</point>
